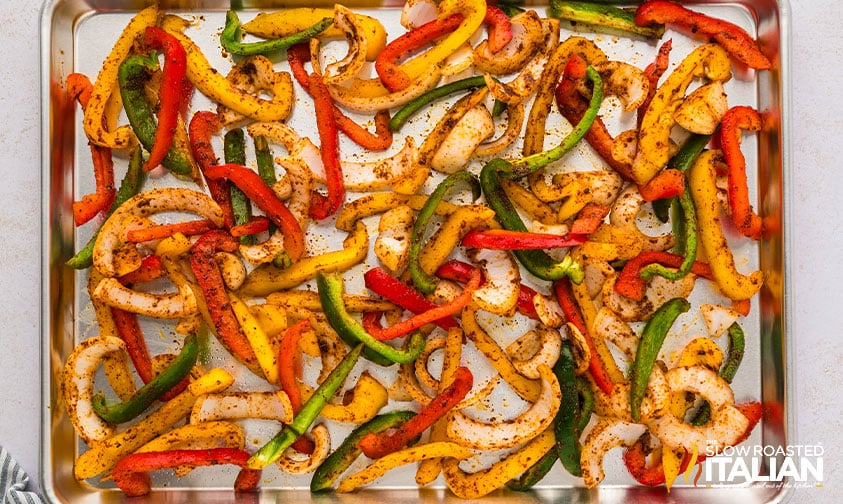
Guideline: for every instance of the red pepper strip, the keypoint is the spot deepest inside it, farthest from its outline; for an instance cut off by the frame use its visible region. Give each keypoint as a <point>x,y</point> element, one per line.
<point>736,119</point>
<point>668,183</point>
<point>377,445</point>
<point>654,72</point>
<point>733,38</point>
<point>170,95</point>
<point>80,88</point>
<point>329,148</point>
<point>161,231</point>
<point>386,64</point>
<point>631,285</point>
<point>209,278</point>
<point>504,239</point>
<point>573,106</point>
<point>203,126</point>
<point>256,190</point>
<point>381,140</point>
<point>289,368</point>
<point>499,28</point>
<point>461,272</point>
<point>130,472</point>
<point>257,224</point>
<point>130,332</point>
<point>742,306</point>
<point>405,327</point>
<point>383,284</point>
<point>589,219</point>
<point>150,269</point>
<point>565,296</point>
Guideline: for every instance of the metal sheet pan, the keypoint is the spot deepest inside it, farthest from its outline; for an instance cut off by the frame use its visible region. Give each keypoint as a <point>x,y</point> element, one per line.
<point>77,34</point>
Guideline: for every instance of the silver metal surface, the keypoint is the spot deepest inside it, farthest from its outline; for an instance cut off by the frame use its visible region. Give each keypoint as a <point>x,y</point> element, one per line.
<point>76,35</point>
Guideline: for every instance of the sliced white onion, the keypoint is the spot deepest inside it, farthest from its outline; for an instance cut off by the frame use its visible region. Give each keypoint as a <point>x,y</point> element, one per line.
<point>457,150</point>
<point>718,318</point>
<point>237,405</point>
<point>292,464</point>
<point>616,404</point>
<point>172,305</point>
<point>418,12</point>
<point>609,326</point>
<point>232,269</point>
<point>624,215</point>
<point>702,110</point>
<point>508,433</point>
<point>605,436</point>
<point>340,71</point>
<point>548,353</point>
<point>514,122</point>
<point>344,95</point>
<point>527,39</point>
<point>549,312</point>
<point>659,290</point>
<point>395,229</point>
<point>627,82</point>
<point>499,293</point>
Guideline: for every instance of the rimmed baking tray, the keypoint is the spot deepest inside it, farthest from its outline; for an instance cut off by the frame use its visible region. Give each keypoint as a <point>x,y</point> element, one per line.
<point>76,35</point>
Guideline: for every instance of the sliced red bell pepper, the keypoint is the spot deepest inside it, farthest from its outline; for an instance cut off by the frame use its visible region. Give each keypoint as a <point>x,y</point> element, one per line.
<point>733,38</point>
<point>383,284</point>
<point>130,472</point>
<point>170,95</point>
<point>289,369</point>
<point>161,231</point>
<point>631,285</point>
<point>386,64</point>
<point>329,148</point>
<point>209,278</point>
<point>667,184</point>
<point>503,239</point>
<point>377,445</point>
<point>380,140</point>
<point>654,72</point>
<point>202,128</point>
<point>409,325</point>
<point>80,88</point>
<point>151,268</point>
<point>589,219</point>
<point>461,272</point>
<point>262,195</point>
<point>565,296</point>
<point>130,332</point>
<point>258,224</point>
<point>735,120</point>
<point>499,28</point>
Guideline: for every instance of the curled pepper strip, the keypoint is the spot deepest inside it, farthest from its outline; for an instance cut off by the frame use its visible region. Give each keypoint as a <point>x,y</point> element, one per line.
<point>382,283</point>
<point>130,472</point>
<point>736,119</point>
<point>323,207</point>
<point>378,445</point>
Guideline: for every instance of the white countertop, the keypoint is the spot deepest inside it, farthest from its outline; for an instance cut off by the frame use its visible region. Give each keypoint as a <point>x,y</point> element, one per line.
<point>816,258</point>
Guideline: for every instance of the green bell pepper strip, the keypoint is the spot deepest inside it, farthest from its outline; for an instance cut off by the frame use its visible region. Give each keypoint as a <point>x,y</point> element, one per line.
<point>272,450</point>
<point>231,35</point>
<point>535,261</point>
<point>404,113</point>
<point>586,397</point>
<point>606,16</point>
<point>681,161</point>
<point>565,424</point>
<point>337,463</point>
<point>129,186</point>
<point>265,161</point>
<point>149,393</point>
<point>234,151</point>
<point>422,280</point>
<point>649,346</point>
<point>728,370</point>
<point>330,286</point>
<point>534,474</point>
<point>132,77</point>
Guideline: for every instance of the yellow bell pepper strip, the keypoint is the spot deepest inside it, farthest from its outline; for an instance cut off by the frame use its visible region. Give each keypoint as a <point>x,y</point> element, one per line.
<point>481,483</point>
<point>330,286</point>
<point>104,455</point>
<point>231,37</point>
<point>406,456</point>
<point>709,61</point>
<point>379,445</point>
<point>130,472</point>
<point>94,121</point>
<point>215,86</point>
<point>339,461</point>
<point>258,339</point>
<point>423,280</point>
<point>443,242</point>
<point>198,436</point>
<point>267,278</point>
<point>272,451</point>
<point>527,201</point>
<point>286,22</point>
<point>127,410</point>
<point>733,284</point>
<point>367,398</point>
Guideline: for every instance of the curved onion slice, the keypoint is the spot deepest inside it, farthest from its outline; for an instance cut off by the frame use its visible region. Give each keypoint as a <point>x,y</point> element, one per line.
<point>343,94</point>
<point>624,215</point>
<point>627,82</point>
<point>702,110</point>
<point>235,405</point>
<point>582,352</point>
<point>499,293</point>
<point>347,67</point>
<point>718,318</point>
<point>79,384</point>
<point>598,186</point>
<point>254,74</point>
<point>514,122</point>
<point>290,463</point>
<point>547,354</point>
<point>508,433</point>
<point>392,246</point>
<point>527,39</point>
<point>549,312</point>
<point>616,404</point>
<point>458,61</point>
<point>456,151</point>
<point>168,199</point>
<point>659,290</point>
<point>608,326</point>
<point>420,364</point>
<point>409,380</point>
<point>231,268</point>
<point>415,13</point>
<point>164,306</point>
<point>607,434</point>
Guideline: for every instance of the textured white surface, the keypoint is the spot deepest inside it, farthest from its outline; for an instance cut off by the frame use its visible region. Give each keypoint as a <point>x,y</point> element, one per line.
<point>816,236</point>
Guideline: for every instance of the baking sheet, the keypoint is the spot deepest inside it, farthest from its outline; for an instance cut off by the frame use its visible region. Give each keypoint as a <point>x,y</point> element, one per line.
<point>76,37</point>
